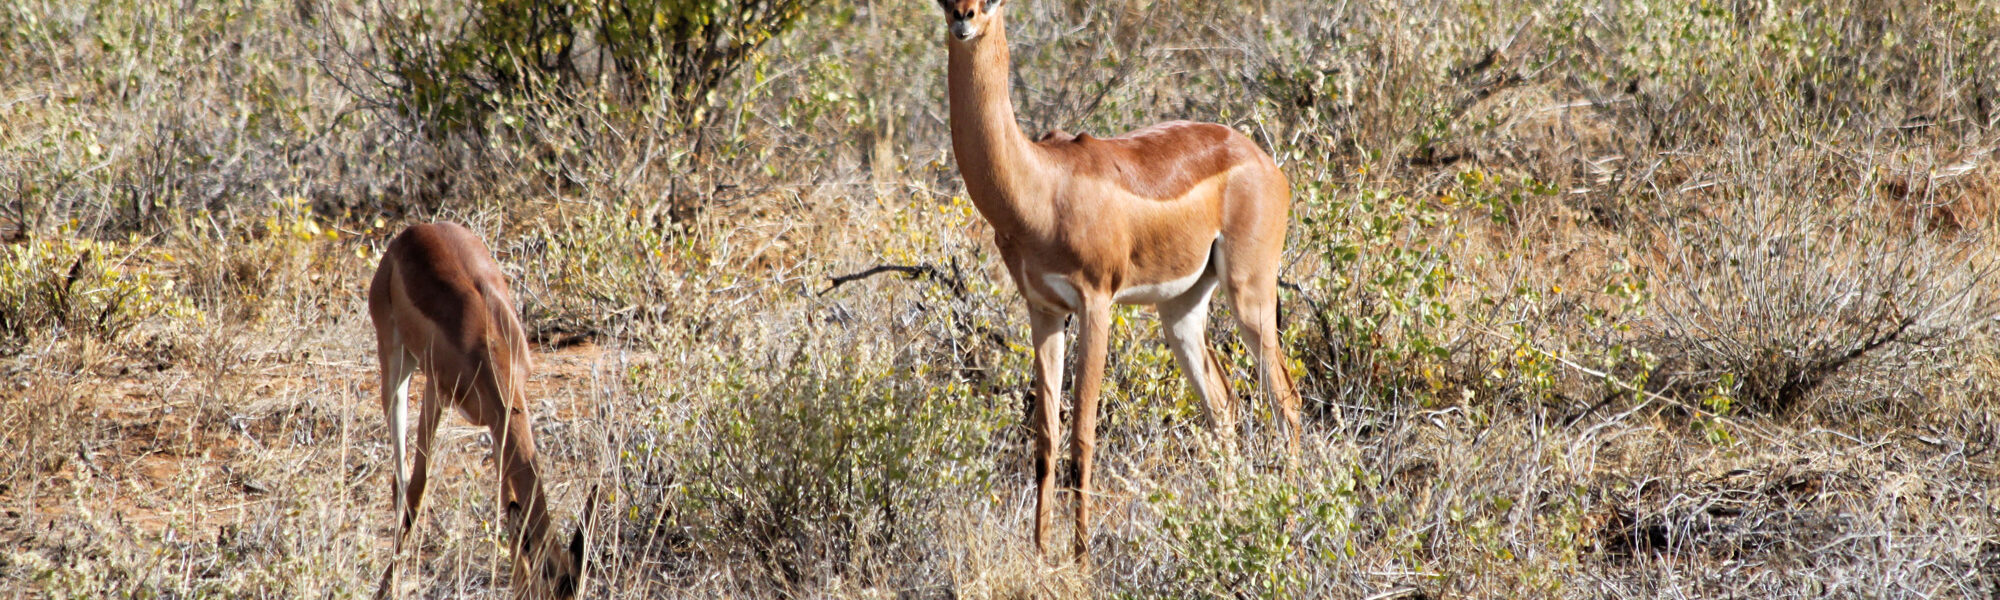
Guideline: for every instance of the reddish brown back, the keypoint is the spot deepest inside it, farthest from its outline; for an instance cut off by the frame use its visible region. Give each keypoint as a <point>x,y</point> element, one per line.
<point>1161,162</point>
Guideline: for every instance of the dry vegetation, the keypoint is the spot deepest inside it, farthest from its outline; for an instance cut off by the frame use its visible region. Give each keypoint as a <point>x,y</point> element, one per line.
<point>1588,299</point>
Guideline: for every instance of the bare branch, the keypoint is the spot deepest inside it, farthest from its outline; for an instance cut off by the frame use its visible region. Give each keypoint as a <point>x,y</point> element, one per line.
<point>924,271</point>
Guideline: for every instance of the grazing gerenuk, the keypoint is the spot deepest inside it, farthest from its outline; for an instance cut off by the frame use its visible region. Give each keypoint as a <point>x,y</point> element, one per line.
<point>440,304</point>
<point>1158,216</point>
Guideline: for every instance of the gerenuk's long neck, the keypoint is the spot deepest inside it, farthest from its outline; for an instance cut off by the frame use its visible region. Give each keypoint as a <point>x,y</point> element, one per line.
<point>1003,171</point>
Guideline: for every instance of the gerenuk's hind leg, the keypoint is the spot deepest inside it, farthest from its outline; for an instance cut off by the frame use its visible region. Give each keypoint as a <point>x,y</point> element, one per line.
<point>397,369</point>
<point>1253,247</point>
<point>1257,315</point>
<point>1184,321</point>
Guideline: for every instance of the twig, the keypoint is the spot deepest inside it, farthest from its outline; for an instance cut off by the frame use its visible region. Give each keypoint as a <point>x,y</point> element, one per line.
<point>909,271</point>
<point>1318,311</point>
<point>1613,380</point>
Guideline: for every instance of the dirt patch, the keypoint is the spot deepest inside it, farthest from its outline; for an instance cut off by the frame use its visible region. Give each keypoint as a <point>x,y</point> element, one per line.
<point>161,444</point>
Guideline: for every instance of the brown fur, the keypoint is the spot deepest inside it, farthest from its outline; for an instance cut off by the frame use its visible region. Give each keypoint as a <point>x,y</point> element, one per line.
<point>1162,162</point>
<point>1081,220</point>
<point>441,305</point>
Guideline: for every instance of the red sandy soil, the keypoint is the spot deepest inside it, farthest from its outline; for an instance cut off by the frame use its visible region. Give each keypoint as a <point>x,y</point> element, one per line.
<point>165,447</point>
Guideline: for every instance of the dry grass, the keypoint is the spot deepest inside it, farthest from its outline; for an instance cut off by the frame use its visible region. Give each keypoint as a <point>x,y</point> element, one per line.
<point>1641,299</point>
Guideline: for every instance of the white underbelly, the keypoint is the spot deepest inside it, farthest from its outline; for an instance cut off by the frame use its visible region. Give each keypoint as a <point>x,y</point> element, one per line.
<point>1068,298</point>
<point>1066,294</point>
<point>1155,293</point>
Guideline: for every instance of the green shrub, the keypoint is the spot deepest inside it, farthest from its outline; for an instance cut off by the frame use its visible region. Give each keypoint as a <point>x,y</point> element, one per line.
<point>606,269</point>
<point>1384,304</point>
<point>1391,322</point>
<point>448,68</point>
<point>690,46</point>
<point>1253,535</point>
<point>99,289</point>
<point>827,464</point>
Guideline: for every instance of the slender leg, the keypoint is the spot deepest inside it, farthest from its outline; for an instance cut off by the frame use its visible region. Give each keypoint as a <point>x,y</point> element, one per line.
<point>1184,320</point>
<point>1257,314</point>
<point>525,513</point>
<point>1252,252</point>
<point>520,482</point>
<point>491,397</point>
<point>1093,339</point>
<point>427,424</point>
<point>397,368</point>
<point>1045,419</point>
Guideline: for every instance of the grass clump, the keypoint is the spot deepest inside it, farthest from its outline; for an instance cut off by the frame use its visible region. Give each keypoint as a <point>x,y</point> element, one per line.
<point>828,466</point>
<point>449,68</point>
<point>1249,533</point>
<point>68,286</point>
<point>1770,308</point>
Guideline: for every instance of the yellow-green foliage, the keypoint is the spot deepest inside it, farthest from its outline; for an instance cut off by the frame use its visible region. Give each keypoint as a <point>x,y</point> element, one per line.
<point>1246,533</point>
<point>240,270</point>
<point>614,261</point>
<point>66,285</point>
<point>826,461</point>
<point>454,66</point>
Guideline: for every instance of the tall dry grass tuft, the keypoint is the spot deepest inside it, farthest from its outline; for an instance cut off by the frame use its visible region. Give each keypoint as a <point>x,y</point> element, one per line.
<point>1784,292</point>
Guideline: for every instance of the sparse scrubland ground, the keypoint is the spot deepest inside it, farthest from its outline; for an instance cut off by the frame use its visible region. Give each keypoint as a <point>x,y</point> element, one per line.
<point>1587,299</point>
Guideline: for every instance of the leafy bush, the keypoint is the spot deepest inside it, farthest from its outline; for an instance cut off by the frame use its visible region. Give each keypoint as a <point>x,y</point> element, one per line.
<point>242,271</point>
<point>1392,307</point>
<point>690,45</point>
<point>825,465</point>
<point>605,268</point>
<point>99,289</point>
<point>450,70</point>
<point>1251,534</point>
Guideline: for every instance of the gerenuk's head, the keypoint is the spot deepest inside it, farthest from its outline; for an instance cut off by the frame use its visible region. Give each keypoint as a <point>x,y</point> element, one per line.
<point>967,19</point>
